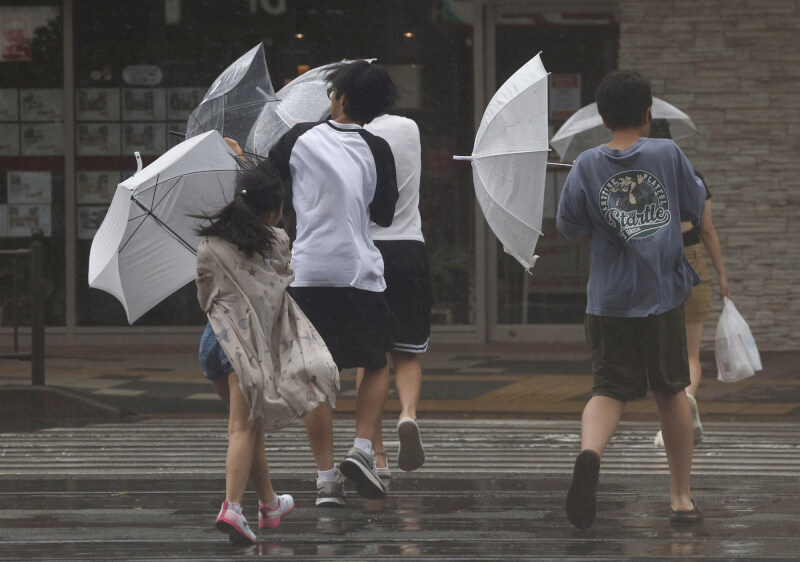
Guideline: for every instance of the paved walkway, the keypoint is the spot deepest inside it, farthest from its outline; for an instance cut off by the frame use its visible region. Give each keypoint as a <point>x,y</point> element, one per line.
<point>489,380</point>
<point>490,490</point>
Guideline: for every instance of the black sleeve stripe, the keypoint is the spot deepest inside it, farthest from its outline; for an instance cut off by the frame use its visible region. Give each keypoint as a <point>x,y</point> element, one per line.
<point>381,209</point>
<point>281,151</point>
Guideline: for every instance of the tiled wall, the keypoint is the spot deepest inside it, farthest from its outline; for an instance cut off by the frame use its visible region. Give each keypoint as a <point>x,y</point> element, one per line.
<point>734,67</point>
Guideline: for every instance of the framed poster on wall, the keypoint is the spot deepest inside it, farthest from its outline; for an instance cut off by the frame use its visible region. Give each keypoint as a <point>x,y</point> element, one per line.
<point>143,104</point>
<point>29,187</point>
<point>89,220</point>
<point>97,104</point>
<point>98,139</point>
<point>42,139</point>
<point>9,139</point>
<point>9,104</point>
<point>96,187</point>
<point>146,138</point>
<point>24,218</point>
<point>41,105</point>
<point>182,101</point>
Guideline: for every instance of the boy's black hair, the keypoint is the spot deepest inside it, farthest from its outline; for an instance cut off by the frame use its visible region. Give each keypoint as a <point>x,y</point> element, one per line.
<point>368,87</point>
<point>259,191</point>
<point>622,98</point>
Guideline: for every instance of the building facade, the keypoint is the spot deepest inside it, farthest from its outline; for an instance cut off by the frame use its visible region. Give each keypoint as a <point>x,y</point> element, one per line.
<point>85,83</point>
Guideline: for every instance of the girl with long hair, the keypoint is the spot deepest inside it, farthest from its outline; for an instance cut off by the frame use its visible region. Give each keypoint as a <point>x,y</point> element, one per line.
<point>262,353</point>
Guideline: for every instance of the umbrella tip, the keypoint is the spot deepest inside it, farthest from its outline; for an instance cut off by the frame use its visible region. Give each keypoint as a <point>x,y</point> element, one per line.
<point>138,162</point>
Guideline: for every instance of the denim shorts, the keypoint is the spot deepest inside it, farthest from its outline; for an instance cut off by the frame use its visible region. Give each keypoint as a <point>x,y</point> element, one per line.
<point>213,360</point>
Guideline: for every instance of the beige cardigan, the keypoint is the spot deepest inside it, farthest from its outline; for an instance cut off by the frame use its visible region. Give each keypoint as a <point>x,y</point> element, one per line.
<point>284,367</point>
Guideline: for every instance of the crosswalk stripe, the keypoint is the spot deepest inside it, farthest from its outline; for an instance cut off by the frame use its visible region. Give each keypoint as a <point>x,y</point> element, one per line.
<point>166,447</point>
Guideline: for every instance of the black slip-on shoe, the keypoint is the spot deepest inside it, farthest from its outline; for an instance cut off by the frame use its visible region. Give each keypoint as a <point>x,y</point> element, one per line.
<point>582,495</point>
<point>684,517</point>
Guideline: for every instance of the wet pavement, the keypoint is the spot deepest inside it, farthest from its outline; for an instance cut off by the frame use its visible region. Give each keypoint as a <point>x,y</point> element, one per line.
<point>490,490</point>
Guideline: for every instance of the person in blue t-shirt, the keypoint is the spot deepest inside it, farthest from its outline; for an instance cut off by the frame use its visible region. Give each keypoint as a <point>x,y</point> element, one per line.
<point>630,196</point>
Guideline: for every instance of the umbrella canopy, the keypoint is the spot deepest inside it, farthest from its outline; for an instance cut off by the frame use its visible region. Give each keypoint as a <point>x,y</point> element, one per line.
<point>509,161</point>
<point>235,99</point>
<point>585,129</point>
<point>145,249</point>
<point>303,99</point>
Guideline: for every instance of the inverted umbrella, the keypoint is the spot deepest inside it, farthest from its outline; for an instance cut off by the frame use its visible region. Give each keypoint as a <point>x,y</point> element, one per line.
<point>303,99</point>
<point>509,161</point>
<point>235,99</point>
<point>585,129</point>
<point>145,249</point>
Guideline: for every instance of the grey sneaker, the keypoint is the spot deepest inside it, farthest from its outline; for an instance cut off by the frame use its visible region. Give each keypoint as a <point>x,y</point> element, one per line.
<point>411,454</point>
<point>359,466</point>
<point>330,494</point>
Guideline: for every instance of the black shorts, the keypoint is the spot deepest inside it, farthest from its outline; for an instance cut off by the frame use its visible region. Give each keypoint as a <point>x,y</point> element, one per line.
<point>356,325</point>
<point>628,354</point>
<point>408,292</point>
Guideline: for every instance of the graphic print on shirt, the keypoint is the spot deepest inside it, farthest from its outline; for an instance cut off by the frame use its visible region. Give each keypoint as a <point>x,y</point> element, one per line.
<point>634,204</point>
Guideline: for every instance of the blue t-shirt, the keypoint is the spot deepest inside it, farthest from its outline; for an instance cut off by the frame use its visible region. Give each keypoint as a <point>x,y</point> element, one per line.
<point>631,202</point>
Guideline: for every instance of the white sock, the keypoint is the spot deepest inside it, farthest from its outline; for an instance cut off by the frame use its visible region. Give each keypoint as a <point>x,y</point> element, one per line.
<point>235,507</point>
<point>363,444</point>
<point>273,505</point>
<point>331,475</point>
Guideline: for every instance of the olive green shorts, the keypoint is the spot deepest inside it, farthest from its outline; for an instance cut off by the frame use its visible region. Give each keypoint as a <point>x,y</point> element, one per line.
<point>631,354</point>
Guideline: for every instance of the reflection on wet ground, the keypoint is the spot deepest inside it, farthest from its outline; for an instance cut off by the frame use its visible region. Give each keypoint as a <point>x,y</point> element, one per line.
<point>464,517</point>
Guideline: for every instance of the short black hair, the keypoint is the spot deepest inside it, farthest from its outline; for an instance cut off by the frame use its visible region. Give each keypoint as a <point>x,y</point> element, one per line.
<point>369,89</point>
<point>622,98</point>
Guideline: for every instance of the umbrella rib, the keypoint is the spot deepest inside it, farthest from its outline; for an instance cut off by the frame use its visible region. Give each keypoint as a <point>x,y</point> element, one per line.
<point>163,225</point>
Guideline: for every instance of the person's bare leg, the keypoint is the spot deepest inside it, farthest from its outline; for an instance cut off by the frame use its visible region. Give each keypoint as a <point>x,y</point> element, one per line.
<point>676,427</point>
<point>241,443</point>
<point>370,399</point>
<point>408,379</point>
<point>694,336</point>
<point>319,428</point>
<point>599,422</point>
<point>377,439</point>
<point>259,475</point>
<point>259,468</point>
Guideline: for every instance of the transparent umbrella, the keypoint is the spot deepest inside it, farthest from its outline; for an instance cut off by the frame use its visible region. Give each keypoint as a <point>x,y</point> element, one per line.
<point>509,161</point>
<point>145,249</point>
<point>235,99</point>
<point>585,129</point>
<point>303,99</point>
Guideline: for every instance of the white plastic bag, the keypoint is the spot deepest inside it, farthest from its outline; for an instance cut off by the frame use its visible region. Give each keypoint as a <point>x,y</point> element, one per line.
<point>735,348</point>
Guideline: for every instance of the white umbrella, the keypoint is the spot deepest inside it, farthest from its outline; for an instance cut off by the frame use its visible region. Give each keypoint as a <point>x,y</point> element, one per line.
<point>235,99</point>
<point>509,161</point>
<point>585,129</point>
<point>145,249</point>
<point>303,99</point>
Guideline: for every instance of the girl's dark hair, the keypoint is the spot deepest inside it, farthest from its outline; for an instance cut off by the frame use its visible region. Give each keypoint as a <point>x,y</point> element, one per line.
<point>622,98</point>
<point>259,191</point>
<point>368,87</point>
<point>659,129</point>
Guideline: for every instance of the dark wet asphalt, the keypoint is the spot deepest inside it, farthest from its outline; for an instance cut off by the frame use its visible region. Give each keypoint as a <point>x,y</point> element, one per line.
<point>459,518</point>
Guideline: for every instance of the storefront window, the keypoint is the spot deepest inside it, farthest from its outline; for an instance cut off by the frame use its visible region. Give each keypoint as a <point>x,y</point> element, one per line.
<point>32,149</point>
<point>141,67</point>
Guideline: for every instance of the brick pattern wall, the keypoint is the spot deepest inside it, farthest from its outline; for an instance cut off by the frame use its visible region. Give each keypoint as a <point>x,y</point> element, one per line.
<point>734,67</point>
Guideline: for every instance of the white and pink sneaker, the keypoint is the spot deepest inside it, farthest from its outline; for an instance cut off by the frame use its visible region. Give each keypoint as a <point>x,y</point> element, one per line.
<point>231,521</point>
<point>271,518</point>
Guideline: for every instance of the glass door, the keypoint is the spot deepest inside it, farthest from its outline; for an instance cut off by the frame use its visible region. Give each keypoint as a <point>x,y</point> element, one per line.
<point>577,49</point>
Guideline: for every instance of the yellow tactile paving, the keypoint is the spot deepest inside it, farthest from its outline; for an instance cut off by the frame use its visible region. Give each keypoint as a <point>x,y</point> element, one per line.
<point>539,389</point>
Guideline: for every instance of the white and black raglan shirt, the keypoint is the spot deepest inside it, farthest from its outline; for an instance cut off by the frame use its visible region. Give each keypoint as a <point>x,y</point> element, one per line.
<point>341,177</point>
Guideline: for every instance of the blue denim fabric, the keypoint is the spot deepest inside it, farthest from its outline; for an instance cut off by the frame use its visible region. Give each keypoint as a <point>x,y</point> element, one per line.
<point>213,360</point>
